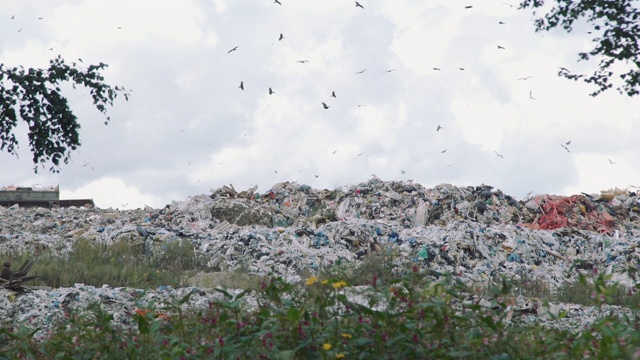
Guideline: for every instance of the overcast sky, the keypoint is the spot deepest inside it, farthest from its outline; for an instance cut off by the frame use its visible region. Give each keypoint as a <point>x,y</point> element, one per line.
<point>189,128</point>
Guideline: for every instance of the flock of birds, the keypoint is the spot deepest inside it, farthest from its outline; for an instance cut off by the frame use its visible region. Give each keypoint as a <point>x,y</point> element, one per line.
<point>326,106</point>
<point>439,127</point>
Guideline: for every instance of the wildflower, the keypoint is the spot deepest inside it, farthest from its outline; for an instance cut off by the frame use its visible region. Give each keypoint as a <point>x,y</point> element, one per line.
<point>339,284</point>
<point>346,336</point>
<point>324,282</point>
<point>327,346</point>
<point>142,312</point>
<point>339,356</point>
<point>311,280</point>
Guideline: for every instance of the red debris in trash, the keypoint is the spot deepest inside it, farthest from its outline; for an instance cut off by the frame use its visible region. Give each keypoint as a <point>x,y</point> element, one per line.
<point>560,211</point>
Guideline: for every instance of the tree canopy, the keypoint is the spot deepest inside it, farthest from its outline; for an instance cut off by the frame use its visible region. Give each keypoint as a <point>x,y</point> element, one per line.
<point>616,30</point>
<point>34,96</point>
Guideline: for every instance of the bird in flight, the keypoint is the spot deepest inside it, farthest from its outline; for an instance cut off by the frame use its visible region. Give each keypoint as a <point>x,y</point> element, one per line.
<point>525,78</point>
<point>500,23</point>
<point>358,5</point>
<point>568,142</point>
<point>359,105</point>
<point>436,69</point>
<point>277,2</point>
<point>438,128</point>
<point>390,70</point>
<point>565,147</point>
<point>334,151</point>
<point>564,69</point>
<point>402,172</point>
<point>275,171</point>
<point>461,69</point>
<point>360,72</point>
<point>468,6</point>
<point>302,61</point>
<point>360,154</point>
<point>234,49</point>
<point>241,85</point>
<point>443,151</point>
<point>531,95</point>
<point>500,47</point>
<point>13,17</point>
<point>498,154</point>
<point>611,162</point>
<point>271,92</point>
<point>316,175</point>
<point>281,37</point>
<point>333,94</point>
<point>325,106</point>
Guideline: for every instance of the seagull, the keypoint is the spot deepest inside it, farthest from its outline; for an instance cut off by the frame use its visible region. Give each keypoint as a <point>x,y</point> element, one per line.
<point>360,154</point>
<point>333,94</point>
<point>358,5</point>
<point>234,49</point>
<point>390,70</point>
<point>20,30</point>
<point>271,91</point>
<point>461,69</point>
<point>316,175</point>
<point>281,37</point>
<point>500,47</point>
<point>277,2</point>
<point>500,23</point>
<point>402,172</point>
<point>325,106</point>
<point>443,151</point>
<point>241,85</point>
<point>468,6</point>
<point>566,148</point>
<point>13,17</point>
<point>498,154</point>
<point>568,142</point>
<point>525,78</point>
<point>610,162</point>
<point>334,151</point>
<point>437,69</point>
<point>438,128</point>
<point>275,171</point>
<point>531,95</point>
<point>564,69</point>
<point>360,72</point>
<point>302,61</point>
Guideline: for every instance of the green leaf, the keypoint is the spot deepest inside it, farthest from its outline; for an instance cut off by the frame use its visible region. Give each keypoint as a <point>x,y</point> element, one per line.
<point>294,314</point>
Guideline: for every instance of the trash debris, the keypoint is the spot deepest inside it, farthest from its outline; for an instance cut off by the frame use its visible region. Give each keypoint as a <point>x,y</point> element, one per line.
<point>474,232</point>
<point>14,280</point>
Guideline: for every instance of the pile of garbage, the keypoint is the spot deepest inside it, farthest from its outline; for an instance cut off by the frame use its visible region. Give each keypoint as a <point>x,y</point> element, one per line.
<point>474,232</point>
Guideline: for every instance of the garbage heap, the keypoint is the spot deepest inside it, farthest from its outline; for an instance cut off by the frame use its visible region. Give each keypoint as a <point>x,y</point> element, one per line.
<point>474,232</point>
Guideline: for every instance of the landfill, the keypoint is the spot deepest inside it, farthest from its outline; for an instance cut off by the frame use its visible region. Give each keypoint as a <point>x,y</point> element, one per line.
<point>477,233</point>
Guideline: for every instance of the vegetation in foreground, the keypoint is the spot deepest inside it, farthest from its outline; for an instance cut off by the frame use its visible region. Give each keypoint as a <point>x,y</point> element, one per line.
<point>405,316</point>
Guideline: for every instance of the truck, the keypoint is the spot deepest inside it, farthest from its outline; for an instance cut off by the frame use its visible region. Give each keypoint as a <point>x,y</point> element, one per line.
<point>47,197</point>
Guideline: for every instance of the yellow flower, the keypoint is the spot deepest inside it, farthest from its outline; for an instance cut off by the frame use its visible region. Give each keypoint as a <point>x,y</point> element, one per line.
<point>339,356</point>
<point>311,280</point>
<point>327,346</point>
<point>339,284</point>
<point>347,336</point>
<point>325,282</point>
